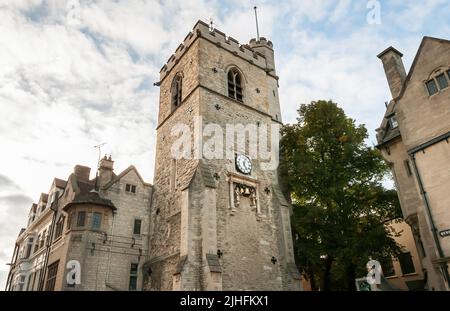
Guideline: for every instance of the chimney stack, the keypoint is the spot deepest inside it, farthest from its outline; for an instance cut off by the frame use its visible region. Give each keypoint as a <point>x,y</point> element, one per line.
<point>106,169</point>
<point>82,172</point>
<point>394,69</point>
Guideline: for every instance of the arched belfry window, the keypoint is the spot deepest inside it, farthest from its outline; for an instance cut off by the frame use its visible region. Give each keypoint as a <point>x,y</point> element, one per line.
<point>176,90</point>
<point>235,84</point>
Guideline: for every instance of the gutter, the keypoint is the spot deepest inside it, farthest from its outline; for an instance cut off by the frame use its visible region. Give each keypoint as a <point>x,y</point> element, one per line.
<point>412,153</point>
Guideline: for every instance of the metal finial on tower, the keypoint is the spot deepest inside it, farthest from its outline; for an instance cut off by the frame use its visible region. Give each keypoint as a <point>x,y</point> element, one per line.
<point>256,18</point>
<point>211,24</point>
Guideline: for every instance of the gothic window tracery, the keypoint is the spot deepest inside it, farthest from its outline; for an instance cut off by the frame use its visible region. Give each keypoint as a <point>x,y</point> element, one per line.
<point>176,90</point>
<point>235,84</point>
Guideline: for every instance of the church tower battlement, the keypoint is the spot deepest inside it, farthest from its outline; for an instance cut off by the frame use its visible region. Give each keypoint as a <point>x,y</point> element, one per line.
<point>219,222</point>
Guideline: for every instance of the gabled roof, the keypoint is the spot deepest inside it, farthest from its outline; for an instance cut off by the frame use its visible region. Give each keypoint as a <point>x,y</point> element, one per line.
<point>416,58</point>
<point>125,172</point>
<point>279,195</point>
<point>185,179</point>
<point>391,48</point>
<point>385,132</point>
<point>84,194</point>
<point>205,172</point>
<point>208,178</point>
<point>43,197</point>
<point>84,186</point>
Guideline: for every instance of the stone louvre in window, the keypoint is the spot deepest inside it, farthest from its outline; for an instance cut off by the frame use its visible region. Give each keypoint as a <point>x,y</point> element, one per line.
<point>432,87</point>
<point>176,91</point>
<point>235,85</point>
<point>442,81</point>
<point>448,74</point>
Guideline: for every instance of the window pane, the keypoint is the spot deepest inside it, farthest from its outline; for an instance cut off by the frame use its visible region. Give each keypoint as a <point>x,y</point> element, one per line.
<point>387,267</point>
<point>133,282</point>
<point>442,80</point>
<point>133,189</point>
<point>134,268</point>
<point>137,226</point>
<point>432,87</point>
<point>408,168</point>
<point>51,276</point>
<point>128,187</point>
<point>96,221</point>
<point>394,122</point>
<point>133,276</point>
<point>81,219</point>
<point>406,263</point>
<point>28,252</point>
<point>448,74</point>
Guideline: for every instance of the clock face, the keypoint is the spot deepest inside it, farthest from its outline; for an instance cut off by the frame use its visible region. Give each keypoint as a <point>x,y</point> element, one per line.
<point>243,164</point>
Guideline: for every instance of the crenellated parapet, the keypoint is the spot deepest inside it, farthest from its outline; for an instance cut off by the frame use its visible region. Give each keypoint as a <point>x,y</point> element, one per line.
<point>245,51</point>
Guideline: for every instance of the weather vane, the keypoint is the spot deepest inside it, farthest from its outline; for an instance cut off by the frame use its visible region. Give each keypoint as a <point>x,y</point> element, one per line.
<point>99,147</point>
<point>211,24</point>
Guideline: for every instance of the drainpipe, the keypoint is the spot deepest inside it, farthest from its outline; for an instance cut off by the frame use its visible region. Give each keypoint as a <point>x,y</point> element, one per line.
<point>444,266</point>
<point>110,250</point>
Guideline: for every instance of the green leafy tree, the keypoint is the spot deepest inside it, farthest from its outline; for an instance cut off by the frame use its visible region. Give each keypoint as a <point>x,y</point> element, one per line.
<point>341,209</point>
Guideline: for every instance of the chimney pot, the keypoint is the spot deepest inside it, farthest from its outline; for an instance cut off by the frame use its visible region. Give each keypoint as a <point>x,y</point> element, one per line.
<point>106,169</point>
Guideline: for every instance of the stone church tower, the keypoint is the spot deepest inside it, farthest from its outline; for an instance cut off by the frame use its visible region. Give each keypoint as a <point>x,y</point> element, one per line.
<point>218,223</point>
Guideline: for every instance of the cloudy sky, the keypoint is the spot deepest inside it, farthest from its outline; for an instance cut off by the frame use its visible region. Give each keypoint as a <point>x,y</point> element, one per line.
<point>76,73</point>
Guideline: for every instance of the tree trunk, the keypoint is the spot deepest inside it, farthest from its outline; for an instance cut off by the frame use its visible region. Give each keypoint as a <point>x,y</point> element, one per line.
<point>325,281</point>
<point>350,277</point>
<point>312,281</point>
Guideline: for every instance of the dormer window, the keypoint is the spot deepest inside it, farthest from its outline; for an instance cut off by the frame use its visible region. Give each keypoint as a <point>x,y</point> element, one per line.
<point>438,83</point>
<point>393,121</point>
<point>235,84</point>
<point>176,91</point>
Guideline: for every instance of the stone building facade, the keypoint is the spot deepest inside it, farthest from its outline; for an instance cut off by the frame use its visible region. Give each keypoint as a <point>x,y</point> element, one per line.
<point>208,223</point>
<point>218,223</point>
<point>414,140</point>
<point>86,234</point>
<point>405,273</point>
